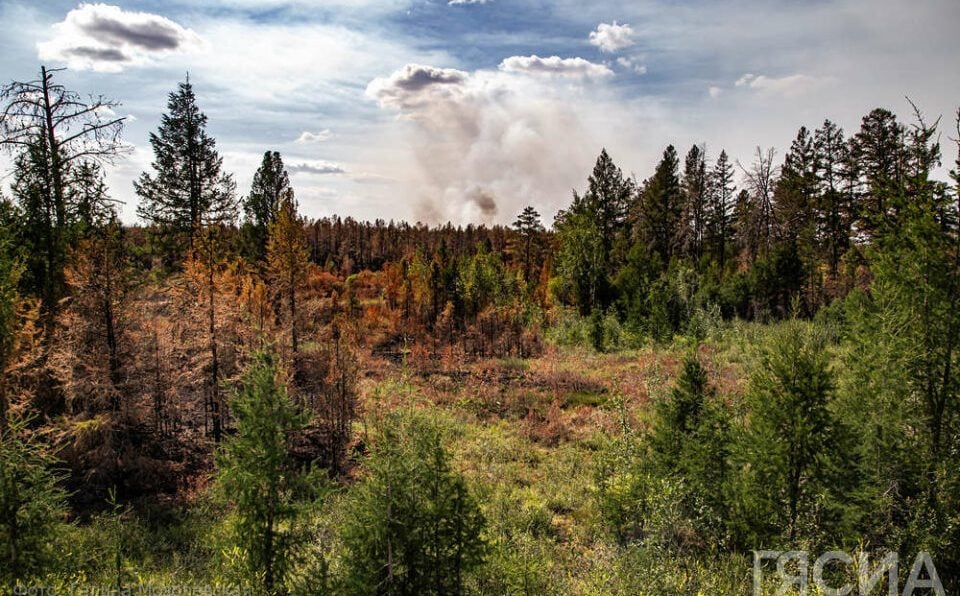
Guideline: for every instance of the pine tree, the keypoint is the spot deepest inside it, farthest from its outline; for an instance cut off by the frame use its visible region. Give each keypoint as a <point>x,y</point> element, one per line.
<point>720,212</point>
<point>262,205</point>
<point>187,190</point>
<point>530,230</point>
<point>288,258</point>
<point>695,185</point>
<point>835,210</point>
<point>878,150</point>
<point>608,199</point>
<point>256,476</point>
<point>662,205</point>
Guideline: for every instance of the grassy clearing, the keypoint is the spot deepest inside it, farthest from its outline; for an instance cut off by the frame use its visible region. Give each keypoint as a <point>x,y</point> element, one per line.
<point>526,434</point>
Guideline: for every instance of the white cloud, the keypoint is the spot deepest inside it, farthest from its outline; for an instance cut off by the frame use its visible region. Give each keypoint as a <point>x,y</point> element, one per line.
<point>319,168</point>
<point>714,91</point>
<point>556,66</point>
<point>107,38</point>
<point>787,85</point>
<point>307,137</point>
<point>463,2</point>
<point>611,37</point>
<point>632,64</point>
<point>415,84</point>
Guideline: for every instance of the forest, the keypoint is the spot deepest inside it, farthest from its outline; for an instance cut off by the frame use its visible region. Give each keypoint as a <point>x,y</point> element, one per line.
<point>723,358</point>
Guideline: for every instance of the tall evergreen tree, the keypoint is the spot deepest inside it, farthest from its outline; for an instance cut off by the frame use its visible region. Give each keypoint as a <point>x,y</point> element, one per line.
<point>720,211</point>
<point>595,224</point>
<point>262,204</point>
<point>530,230</point>
<point>878,149</point>
<point>662,205</point>
<point>796,190</point>
<point>835,210</point>
<point>188,189</point>
<point>608,200</point>
<point>695,186</point>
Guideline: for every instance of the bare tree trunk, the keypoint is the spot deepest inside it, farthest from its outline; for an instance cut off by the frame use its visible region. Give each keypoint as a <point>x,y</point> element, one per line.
<point>293,312</point>
<point>214,360</point>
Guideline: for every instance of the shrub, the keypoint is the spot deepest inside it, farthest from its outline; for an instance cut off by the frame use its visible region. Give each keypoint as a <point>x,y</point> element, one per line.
<point>794,469</point>
<point>412,525</point>
<point>32,507</point>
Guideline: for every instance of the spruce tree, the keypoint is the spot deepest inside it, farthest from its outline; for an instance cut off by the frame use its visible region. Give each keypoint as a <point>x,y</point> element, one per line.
<point>695,185</point>
<point>835,210</point>
<point>720,208</point>
<point>878,149</point>
<point>262,205</point>
<point>188,189</point>
<point>662,208</point>
<point>608,199</point>
<point>796,190</point>
<point>595,226</point>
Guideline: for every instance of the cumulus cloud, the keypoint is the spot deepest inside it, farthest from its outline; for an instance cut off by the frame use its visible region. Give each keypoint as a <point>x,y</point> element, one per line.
<point>307,137</point>
<point>107,38</point>
<point>320,168</point>
<point>611,37</point>
<point>577,68</point>
<point>415,84</point>
<point>714,91</point>
<point>487,143</point>
<point>462,2</point>
<point>787,85</point>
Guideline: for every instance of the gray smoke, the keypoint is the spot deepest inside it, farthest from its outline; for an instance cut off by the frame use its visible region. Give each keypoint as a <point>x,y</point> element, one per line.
<point>486,144</point>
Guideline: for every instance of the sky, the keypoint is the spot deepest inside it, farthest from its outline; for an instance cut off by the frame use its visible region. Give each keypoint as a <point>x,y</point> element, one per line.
<point>468,110</point>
